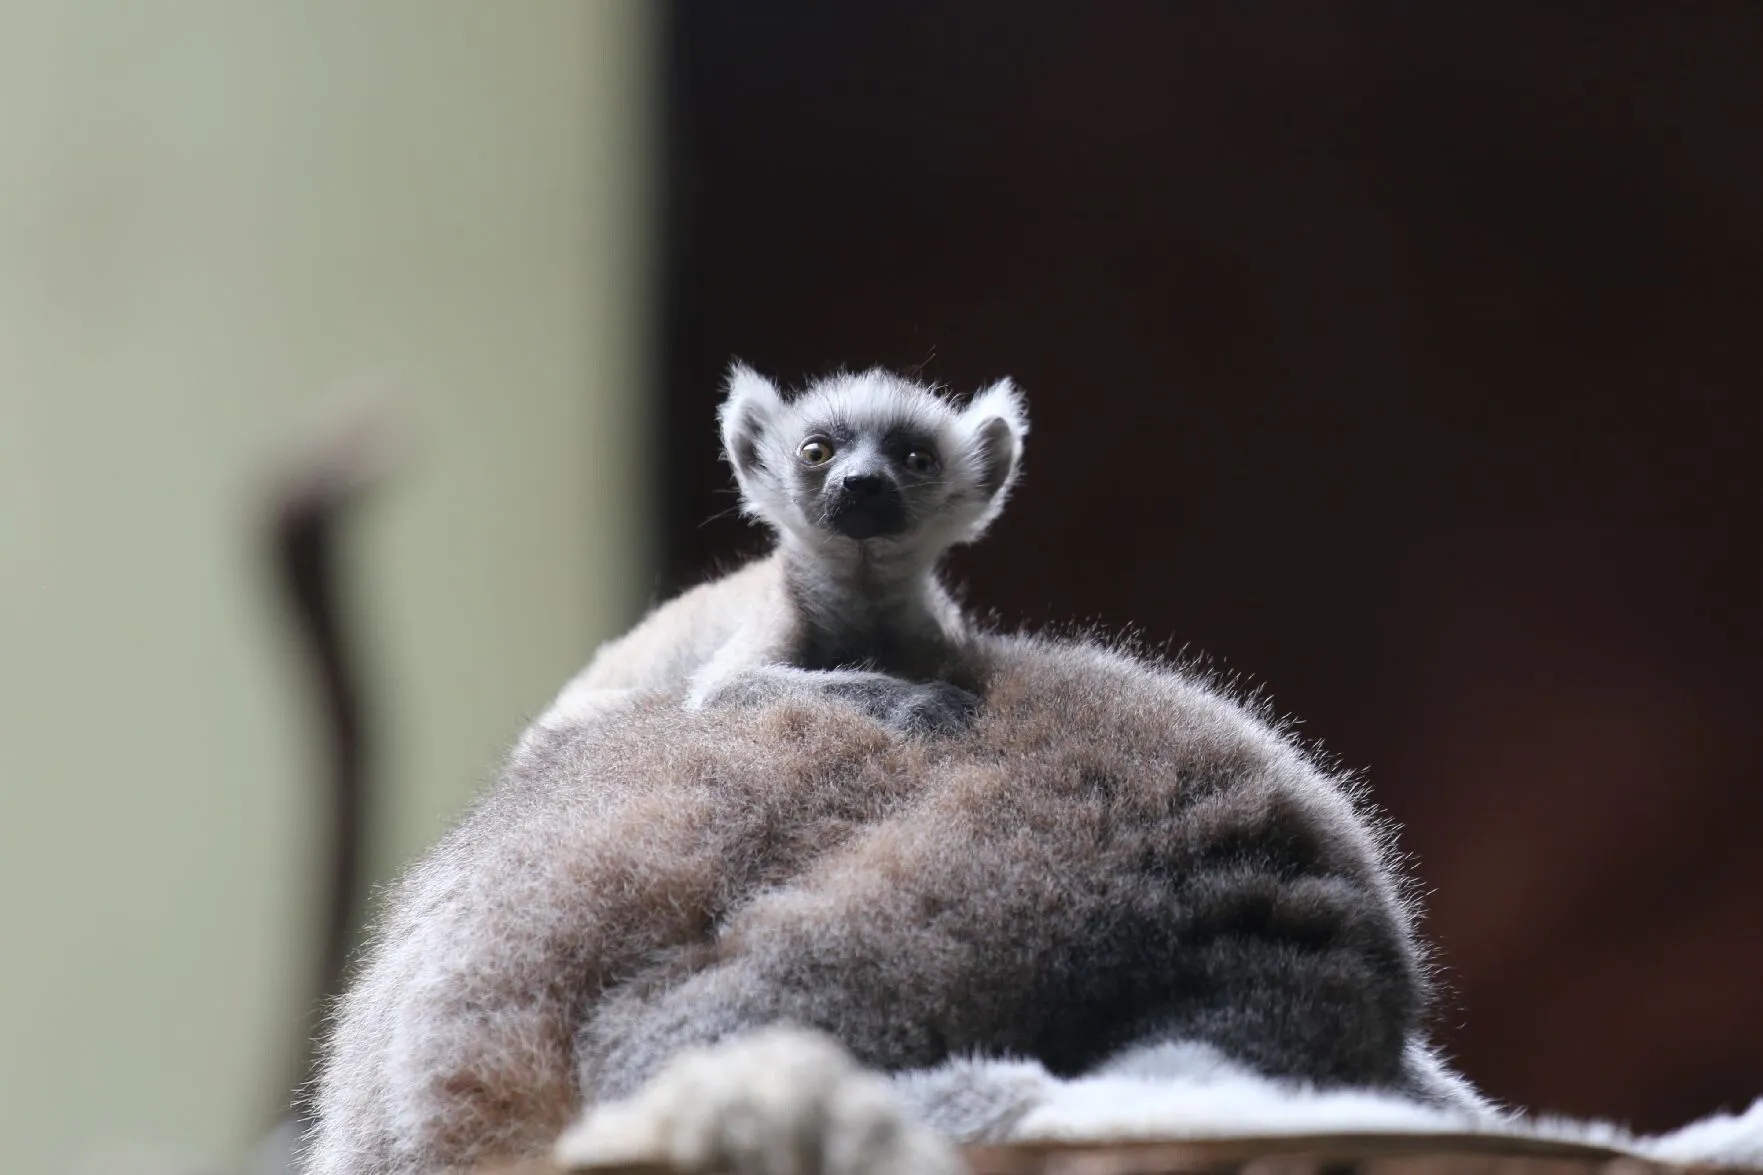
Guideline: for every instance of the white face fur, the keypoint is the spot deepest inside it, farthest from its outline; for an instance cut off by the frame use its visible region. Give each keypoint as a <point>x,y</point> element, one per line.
<point>872,459</point>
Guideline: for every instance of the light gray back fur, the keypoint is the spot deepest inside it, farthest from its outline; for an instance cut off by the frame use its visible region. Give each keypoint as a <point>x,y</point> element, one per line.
<point>1114,854</point>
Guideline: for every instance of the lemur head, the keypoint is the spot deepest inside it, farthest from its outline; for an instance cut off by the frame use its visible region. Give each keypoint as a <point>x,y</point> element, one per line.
<point>872,459</point>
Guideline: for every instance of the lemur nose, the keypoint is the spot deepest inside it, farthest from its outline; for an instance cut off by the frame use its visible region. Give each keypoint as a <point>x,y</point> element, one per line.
<point>866,486</point>
<point>867,505</point>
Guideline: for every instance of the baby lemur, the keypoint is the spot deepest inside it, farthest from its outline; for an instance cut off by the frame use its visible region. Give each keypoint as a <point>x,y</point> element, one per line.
<point>866,480</point>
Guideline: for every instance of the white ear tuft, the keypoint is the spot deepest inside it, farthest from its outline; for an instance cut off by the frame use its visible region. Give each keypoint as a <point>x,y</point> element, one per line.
<point>998,420</point>
<point>1001,399</point>
<point>745,384</point>
<point>749,409</point>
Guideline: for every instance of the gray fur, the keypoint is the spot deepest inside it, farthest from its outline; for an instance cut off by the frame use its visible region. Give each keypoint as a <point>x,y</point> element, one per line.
<point>797,1100</point>
<point>988,1099</point>
<point>851,592</point>
<point>1111,855</point>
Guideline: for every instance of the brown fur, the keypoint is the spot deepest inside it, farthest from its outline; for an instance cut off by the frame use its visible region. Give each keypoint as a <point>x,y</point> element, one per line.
<point>1114,852</point>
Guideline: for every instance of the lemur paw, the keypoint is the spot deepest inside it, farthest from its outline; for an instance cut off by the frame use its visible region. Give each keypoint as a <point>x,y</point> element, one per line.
<point>911,707</point>
<point>778,1101</point>
<point>908,707</point>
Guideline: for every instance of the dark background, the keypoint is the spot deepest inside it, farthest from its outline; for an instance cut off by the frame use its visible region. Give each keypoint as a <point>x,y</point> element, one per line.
<point>1402,357</point>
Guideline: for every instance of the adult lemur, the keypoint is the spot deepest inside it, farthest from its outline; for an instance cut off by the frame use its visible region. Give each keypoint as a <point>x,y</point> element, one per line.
<point>867,480</point>
<point>1109,861</point>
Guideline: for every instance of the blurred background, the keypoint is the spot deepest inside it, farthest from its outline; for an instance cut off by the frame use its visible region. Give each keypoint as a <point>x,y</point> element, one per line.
<point>1404,359</point>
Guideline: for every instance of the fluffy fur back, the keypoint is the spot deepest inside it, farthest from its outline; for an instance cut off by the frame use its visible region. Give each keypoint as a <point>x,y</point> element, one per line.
<point>1115,852</point>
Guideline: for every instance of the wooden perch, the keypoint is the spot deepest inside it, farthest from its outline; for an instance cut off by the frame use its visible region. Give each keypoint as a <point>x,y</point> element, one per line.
<point>1316,1154</point>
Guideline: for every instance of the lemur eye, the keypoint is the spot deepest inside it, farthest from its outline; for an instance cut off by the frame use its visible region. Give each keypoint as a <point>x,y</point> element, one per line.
<point>921,460</point>
<point>815,451</point>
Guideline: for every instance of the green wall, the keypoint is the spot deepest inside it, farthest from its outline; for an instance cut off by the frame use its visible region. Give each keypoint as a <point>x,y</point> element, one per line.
<point>213,215</point>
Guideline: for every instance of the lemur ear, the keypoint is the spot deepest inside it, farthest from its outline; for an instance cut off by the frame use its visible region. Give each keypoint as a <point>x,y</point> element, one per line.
<point>999,417</point>
<point>748,412</point>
